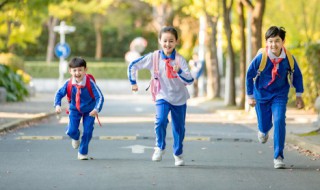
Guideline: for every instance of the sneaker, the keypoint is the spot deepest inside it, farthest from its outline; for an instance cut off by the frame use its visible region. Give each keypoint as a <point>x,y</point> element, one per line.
<point>157,155</point>
<point>263,138</point>
<point>82,156</point>
<point>75,143</point>
<point>178,160</point>
<point>278,163</point>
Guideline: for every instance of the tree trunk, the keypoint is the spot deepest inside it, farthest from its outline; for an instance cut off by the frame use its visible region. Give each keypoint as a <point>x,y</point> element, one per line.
<point>98,32</point>
<point>256,25</point>
<point>230,96</point>
<point>52,38</point>
<point>242,54</point>
<point>162,16</point>
<point>213,75</point>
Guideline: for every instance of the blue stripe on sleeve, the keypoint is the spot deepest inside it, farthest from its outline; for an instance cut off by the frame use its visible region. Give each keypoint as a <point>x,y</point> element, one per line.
<point>130,68</point>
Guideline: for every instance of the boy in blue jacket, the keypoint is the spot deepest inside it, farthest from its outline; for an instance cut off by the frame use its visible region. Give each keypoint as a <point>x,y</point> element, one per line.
<point>268,88</point>
<point>86,101</point>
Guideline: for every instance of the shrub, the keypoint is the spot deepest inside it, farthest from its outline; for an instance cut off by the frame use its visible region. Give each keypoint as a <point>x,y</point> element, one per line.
<point>309,63</point>
<point>100,70</point>
<point>13,83</point>
<point>12,61</point>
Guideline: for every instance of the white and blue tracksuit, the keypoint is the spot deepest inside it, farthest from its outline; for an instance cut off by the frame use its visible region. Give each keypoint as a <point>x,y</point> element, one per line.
<point>87,104</point>
<point>172,97</point>
<point>271,101</point>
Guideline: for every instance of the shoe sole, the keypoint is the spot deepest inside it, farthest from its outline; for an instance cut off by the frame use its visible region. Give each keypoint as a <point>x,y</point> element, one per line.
<point>279,167</point>
<point>180,164</point>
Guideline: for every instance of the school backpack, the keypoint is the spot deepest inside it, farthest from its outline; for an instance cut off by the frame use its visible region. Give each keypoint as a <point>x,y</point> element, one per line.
<point>155,83</point>
<point>263,63</point>
<point>88,86</point>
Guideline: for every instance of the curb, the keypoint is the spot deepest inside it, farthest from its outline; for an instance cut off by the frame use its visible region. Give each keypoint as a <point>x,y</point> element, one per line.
<point>12,125</point>
<point>303,143</point>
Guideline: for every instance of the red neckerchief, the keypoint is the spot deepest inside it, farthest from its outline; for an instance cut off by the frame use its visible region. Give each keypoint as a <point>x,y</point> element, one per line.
<point>169,69</point>
<point>274,72</point>
<point>78,96</point>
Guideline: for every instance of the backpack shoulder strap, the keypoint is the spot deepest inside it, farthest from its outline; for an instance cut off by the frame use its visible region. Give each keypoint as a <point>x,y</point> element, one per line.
<point>263,61</point>
<point>69,89</point>
<point>178,59</point>
<point>88,84</point>
<point>290,59</point>
<point>155,62</point>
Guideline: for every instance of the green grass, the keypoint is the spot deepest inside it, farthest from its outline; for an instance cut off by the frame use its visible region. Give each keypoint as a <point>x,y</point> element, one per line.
<point>100,70</point>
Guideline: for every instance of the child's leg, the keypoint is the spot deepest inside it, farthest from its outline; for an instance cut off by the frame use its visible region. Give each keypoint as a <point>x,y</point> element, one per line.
<point>73,127</point>
<point>279,119</point>
<point>88,123</point>
<point>162,111</point>
<point>178,116</point>
<point>264,117</point>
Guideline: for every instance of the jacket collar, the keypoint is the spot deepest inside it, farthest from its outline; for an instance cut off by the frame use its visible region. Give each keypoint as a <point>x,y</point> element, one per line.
<point>172,56</point>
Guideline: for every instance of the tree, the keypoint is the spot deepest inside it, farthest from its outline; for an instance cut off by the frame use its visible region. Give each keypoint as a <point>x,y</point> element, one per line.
<point>213,75</point>
<point>243,52</point>
<point>257,11</point>
<point>230,99</point>
<point>19,21</point>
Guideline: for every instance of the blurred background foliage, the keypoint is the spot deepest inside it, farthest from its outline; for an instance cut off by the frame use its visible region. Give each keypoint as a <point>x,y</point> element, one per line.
<point>105,29</point>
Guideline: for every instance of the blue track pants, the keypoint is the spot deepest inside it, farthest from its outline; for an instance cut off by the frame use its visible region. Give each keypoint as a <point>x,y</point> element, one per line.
<point>275,109</point>
<point>178,117</point>
<point>73,129</point>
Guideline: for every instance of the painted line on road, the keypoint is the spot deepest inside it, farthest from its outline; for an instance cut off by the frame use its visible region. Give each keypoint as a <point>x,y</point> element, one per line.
<point>117,138</point>
<point>197,139</point>
<point>122,138</point>
<point>133,138</point>
<point>40,138</point>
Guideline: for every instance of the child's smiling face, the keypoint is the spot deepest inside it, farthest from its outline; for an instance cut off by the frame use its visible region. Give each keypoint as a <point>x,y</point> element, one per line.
<point>168,42</point>
<point>275,44</point>
<point>78,73</point>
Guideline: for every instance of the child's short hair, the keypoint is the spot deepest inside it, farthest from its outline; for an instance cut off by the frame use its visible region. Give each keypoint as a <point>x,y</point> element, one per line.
<point>169,29</point>
<point>77,62</point>
<point>274,31</point>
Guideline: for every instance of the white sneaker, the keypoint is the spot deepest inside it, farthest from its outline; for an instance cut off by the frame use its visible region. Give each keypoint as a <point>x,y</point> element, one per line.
<point>75,143</point>
<point>157,155</point>
<point>178,160</point>
<point>263,138</point>
<point>278,163</point>
<point>82,156</point>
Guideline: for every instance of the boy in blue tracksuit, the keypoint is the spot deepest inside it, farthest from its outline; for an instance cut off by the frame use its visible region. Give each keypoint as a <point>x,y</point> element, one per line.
<point>86,101</point>
<point>268,90</point>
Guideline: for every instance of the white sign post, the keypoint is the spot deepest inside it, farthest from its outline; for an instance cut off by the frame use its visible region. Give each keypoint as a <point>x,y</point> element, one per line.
<point>62,49</point>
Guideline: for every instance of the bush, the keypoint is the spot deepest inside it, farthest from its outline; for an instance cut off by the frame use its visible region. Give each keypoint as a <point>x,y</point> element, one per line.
<point>309,64</point>
<point>100,70</point>
<point>12,61</point>
<point>13,83</point>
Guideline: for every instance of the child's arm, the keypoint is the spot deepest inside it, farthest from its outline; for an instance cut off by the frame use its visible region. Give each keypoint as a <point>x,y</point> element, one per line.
<point>62,92</point>
<point>99,98</point>
<point>298,84</point>
<point>183,71</point>
<point>251,74</point>
<point>297,79</point>
<point>144,62</point>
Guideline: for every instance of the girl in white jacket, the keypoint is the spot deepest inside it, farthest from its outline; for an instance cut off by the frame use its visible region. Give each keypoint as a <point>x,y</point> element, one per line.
<point>173,76</point>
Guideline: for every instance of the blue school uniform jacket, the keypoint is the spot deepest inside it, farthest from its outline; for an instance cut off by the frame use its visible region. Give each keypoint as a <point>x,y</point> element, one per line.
<point>87,103</point>
<point>258,87</point>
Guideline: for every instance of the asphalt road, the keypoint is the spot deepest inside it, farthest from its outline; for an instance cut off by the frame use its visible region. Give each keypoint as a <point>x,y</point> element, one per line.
<point>218,155</point>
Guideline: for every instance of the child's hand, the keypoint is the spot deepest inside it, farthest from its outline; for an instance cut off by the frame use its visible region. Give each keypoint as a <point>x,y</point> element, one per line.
<point>93,113</point>
<point>252,102</point>
<point>134,88</point>
<point>299,102</point>
<point>58,109</point>
<point>176,68</point>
